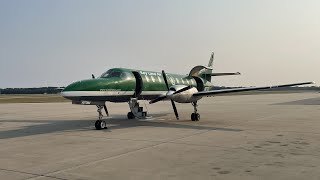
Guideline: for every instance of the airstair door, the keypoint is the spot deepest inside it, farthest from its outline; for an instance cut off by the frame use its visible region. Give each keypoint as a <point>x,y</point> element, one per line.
<point>139,84</point>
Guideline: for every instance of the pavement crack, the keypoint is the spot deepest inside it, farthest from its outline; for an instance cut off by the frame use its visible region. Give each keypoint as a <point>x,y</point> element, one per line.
<point>34,174</point>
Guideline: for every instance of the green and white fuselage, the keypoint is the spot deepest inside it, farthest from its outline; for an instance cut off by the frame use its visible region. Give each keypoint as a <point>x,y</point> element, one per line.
<point>120,84</point>
<point>130,85</point>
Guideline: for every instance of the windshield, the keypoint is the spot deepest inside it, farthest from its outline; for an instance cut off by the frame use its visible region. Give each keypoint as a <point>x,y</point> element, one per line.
<point>116,74</point>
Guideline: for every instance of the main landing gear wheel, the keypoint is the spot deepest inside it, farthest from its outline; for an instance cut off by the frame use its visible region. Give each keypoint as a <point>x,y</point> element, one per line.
<point>100,124</point>
<point>130,115</point>
<point>195,116</point>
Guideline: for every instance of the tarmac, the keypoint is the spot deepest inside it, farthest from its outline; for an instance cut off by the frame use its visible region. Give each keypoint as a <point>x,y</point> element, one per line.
<point>274,136</point>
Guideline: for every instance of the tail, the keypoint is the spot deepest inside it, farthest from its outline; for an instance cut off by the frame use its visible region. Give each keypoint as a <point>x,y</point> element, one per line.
<point>206,72</point>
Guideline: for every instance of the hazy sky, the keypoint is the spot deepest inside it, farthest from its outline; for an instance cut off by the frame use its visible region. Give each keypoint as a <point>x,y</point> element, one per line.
<point>56,42</point>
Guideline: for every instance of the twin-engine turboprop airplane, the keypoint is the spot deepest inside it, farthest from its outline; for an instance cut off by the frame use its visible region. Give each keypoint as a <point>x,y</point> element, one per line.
<point>129,85</point>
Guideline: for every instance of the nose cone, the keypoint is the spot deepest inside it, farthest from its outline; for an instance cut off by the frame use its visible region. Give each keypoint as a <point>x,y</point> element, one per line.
<point>83,88</point>
<point>76,86</point>
<point>72,90</point>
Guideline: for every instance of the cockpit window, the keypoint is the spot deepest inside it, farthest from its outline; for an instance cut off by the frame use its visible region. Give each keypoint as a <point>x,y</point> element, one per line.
<point>111,74</point>
<point>104,75</point>
<point>125,75</point>
<point>116,74</point>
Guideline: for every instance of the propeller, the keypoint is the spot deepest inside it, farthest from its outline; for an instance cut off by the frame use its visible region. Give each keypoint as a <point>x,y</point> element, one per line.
<point>172,102</point>
<point>160,98</point>
<point>183,89</point>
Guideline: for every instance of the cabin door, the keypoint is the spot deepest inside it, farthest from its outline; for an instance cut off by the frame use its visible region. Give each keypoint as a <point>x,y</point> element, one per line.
<point>139,84</point>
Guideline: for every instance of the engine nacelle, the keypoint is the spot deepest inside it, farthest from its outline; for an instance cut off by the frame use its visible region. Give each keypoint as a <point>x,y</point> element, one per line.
<point>183,97</point>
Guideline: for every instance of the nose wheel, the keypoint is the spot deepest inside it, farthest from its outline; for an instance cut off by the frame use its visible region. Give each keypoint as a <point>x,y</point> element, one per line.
<point>100,124</point>
<point>195,116</point>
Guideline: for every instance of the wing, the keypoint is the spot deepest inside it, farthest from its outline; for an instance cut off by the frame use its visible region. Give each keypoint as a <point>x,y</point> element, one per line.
<point>226,91</point>
<point>225,74</point>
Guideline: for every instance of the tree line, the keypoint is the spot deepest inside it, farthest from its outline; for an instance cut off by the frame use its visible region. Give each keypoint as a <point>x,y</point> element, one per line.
<point>40,90</point>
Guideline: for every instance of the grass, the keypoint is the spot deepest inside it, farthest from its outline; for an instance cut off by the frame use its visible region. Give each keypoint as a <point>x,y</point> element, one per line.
<point>32,98</point>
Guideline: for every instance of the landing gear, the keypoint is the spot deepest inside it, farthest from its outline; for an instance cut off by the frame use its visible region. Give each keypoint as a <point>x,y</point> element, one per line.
<point>100,111</point>
<point>100,124</point>
<point>195,116</point>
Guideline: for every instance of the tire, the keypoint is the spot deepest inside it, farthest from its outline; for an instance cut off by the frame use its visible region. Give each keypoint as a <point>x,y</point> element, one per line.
<point>197,117</point>
<point>193,117</point>
<point>97,124</point>
<point>130,115</point>
<point>100,124</point>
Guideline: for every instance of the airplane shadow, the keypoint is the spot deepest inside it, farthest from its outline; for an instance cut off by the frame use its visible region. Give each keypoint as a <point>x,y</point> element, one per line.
<point>116,122</point>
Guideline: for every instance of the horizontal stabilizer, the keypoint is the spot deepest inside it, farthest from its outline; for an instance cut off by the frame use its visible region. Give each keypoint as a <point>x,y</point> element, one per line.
<point>225,74</point>
<point>235,90</point>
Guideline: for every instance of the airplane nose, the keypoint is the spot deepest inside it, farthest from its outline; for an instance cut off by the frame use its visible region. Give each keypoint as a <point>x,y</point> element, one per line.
<point>76,86</point>
<point>85,88</point>
<point>70,90</point>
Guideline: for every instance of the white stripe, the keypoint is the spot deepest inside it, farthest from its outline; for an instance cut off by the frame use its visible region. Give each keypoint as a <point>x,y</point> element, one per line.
<point>153,92</point>
<point>107,93</point>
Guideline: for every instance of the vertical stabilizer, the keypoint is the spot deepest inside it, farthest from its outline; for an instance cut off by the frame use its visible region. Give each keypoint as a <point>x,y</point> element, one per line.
<point>211,60</point>
<point>206,72</point>
<point>202,71</point>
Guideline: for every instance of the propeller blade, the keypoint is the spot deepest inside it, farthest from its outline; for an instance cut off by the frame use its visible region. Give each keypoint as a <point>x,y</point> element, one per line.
<point>163,97</point>
<point>175,109</point>
<point>165,79</point>
<point>183,89</point>
<point>105,108</point>
<point>157,99</point>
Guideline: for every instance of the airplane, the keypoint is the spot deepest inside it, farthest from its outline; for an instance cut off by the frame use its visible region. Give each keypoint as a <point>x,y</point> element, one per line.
<point>130,85</point>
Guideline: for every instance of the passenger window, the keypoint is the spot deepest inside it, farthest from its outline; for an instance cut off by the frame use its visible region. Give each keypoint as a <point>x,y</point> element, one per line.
<point>153,80</point>
<point>172,80</point>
